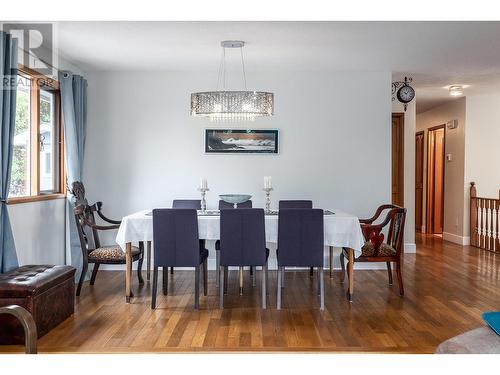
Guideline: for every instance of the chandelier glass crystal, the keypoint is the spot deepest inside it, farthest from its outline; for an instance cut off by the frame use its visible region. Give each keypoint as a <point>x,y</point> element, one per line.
<point>232,106</point>
<point>221,106</point>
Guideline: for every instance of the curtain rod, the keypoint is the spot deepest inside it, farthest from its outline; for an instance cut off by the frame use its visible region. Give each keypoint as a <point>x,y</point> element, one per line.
<point>45,62</point>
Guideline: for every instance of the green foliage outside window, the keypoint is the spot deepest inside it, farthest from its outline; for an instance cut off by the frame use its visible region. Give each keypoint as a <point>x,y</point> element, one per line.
<point>19,183</point>
<point>45,111</point>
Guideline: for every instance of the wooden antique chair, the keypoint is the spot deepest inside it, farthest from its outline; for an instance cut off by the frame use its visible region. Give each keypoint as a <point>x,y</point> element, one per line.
<point>375,249</point>
<point>88,231</point>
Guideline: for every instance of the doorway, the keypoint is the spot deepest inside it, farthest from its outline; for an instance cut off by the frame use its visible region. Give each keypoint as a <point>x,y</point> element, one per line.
<point>398,159</point>
<point>419,180</point>
<point>435,179</point>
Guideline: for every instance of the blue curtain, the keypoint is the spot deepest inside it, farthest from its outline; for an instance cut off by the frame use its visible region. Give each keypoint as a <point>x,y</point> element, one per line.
<point>8,77</point>
<point>74,108</point>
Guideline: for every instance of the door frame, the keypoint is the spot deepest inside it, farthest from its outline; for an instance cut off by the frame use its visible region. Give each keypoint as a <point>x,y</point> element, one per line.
<point>419,228</point>
<point>428,224</point>
<point>401,118</point>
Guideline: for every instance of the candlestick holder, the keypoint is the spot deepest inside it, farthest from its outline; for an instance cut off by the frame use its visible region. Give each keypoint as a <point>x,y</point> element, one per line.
<point>203,200</point>
<point>268,199</point>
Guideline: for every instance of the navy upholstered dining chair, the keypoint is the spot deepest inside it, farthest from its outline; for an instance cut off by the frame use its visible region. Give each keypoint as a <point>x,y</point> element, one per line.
<point>300,244</point>
<point>223,206</point>
<point>190,204</point>
<point>295,204</point>
<point>176,243</point>
<point>243,243</point>
<point>193,204</point>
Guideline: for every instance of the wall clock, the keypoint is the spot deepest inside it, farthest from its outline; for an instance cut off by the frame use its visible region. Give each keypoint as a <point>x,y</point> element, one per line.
<point>403,91</point>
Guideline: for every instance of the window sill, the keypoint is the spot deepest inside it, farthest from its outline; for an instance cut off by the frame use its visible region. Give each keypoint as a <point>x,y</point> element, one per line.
<point>36,198</point>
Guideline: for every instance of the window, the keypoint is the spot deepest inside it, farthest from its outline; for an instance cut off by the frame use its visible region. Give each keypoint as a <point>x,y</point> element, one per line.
<point>21,166</point>
<point>49,155</point>
<point>37,166</point>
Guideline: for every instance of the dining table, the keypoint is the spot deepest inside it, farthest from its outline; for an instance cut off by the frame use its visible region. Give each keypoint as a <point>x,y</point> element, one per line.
<point>340,230</point>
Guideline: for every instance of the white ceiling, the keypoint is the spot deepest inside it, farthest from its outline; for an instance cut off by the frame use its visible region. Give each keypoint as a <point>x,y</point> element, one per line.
<point>435,54</point>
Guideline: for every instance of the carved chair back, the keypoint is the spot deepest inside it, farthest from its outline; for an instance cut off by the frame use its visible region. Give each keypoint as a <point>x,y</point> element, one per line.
<point>88,230</point>
<point>394,222</point>
<point>83,215</point>
<point>78,191</point>
<point>85,220</point>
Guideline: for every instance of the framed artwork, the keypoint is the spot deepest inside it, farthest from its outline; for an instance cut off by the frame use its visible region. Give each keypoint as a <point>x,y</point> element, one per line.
<point>236,141</point>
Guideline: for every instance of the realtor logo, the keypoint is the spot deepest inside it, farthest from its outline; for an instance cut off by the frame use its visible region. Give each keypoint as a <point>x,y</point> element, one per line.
<point>35,40</point>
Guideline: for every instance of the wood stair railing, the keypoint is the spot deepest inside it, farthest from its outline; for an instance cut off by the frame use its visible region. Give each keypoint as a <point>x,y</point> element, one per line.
<point>29,326</point>
<point>484,225</point>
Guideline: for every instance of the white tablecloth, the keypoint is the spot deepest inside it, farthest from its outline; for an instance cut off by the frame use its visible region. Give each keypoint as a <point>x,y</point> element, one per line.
<point>341,229</point>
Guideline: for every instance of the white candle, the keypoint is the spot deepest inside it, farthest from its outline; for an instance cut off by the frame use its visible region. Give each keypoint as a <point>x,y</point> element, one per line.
<point>203,183</point>
<point>270,182</point>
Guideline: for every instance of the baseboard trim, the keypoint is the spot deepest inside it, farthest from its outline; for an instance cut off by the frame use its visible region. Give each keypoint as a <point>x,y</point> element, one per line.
<point>464,241</point>
<point>410,248</point>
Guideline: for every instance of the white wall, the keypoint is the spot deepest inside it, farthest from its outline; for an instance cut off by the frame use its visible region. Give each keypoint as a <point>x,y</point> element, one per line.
<point>144,149</point>
<point>453,229</point>
<point>38,229</point>
<point>409,170</point>
<point>482,148</point>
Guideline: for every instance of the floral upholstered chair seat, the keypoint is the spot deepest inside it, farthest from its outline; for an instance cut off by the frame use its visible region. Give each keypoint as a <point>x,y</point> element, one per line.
<point>111,253</point>
<point>384,250</point>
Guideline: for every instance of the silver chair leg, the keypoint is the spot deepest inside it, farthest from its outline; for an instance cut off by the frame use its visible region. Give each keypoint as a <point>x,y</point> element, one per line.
<point>278,297</point>
<point>217,265</point>
<point>205,277</point>
<point>283,277</point>
<point>220,271</point>
<point>267,278</point>
<point>330,260</point>
<point>264,286</point>
<point>319,279</point>
<point>225,278</point>
<point>322,289</point>
<point>254,276</point>
<point>197,288</point>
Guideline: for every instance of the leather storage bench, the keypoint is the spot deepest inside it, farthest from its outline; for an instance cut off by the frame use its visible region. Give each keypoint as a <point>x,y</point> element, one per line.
<point>47,292</point>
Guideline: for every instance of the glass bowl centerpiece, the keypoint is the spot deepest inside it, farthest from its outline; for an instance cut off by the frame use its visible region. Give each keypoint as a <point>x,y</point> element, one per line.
<point>235,199</point>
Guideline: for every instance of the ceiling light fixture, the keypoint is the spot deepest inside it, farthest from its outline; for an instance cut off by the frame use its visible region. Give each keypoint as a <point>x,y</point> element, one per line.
<point>229,106</point>
<point>456,90</point>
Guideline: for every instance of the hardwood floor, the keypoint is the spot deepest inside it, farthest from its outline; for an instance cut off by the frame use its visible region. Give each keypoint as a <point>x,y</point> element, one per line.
<point>447,288</point>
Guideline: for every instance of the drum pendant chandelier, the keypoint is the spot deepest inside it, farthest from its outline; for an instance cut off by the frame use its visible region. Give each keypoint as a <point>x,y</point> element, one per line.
<point>231,106</point>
